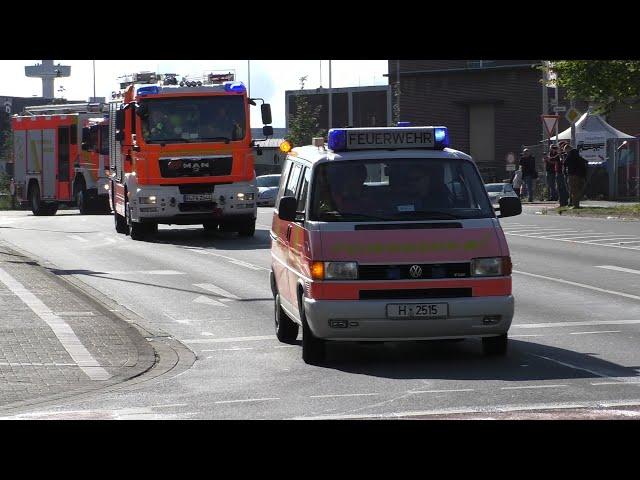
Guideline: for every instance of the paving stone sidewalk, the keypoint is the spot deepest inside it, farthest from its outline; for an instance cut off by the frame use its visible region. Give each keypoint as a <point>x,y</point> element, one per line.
<point>56,341</point>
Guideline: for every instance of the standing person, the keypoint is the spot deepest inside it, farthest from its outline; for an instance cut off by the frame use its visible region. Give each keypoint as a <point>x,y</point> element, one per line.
<point>577,173</point>
<point>516,183</point>
<point>550,168</point>
<point>561,179</point>
<point>529,173</point>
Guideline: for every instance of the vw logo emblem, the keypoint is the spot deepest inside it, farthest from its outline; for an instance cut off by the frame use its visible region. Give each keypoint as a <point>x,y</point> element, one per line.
<point>415,271</point>
<point>196,167</point>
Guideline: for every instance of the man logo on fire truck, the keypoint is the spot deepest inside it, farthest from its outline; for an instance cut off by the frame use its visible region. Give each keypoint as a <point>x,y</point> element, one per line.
<point>181,154</point>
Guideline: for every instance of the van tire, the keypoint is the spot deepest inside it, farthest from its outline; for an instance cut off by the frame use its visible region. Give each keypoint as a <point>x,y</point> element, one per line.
<point>286,329</point>
<point>313,348</point>
<point>495,346</point>
<point>51,208</point>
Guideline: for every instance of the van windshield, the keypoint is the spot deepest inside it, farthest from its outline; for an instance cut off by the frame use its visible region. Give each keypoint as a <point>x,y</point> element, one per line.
<point>398,189</point>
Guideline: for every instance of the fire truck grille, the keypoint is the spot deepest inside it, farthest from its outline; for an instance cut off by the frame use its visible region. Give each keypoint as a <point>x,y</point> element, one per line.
<point>195,167</point>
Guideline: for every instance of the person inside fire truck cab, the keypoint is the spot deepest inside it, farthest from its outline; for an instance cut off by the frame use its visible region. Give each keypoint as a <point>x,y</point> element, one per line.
<point>156,126</point>
<point>222,125</point>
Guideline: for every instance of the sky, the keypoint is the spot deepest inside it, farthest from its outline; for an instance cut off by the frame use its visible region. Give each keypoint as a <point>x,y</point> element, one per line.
<point>269,78</point>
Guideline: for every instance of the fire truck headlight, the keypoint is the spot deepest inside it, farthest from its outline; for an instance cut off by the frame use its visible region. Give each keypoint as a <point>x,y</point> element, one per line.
<point>147,200</point>
<point>245,196</point>
<point>106,186</point>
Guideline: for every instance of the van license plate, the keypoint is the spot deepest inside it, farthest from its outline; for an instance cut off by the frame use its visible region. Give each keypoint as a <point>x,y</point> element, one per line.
<point>198,197</point>
<point>417,310</point>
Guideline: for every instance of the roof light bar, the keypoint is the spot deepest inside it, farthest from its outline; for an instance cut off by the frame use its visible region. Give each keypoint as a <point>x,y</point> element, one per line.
<point>391,138</point>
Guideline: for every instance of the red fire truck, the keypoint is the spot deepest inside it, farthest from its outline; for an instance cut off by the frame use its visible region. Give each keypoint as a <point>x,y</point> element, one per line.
<point>181,153</point>
<point>51,167</point>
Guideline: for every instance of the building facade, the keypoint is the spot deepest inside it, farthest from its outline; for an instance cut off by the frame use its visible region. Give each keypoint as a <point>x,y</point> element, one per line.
<point>351,106</point>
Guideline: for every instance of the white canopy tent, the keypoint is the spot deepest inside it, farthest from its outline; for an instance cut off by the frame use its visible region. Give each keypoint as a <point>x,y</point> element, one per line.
<point>592,125</point>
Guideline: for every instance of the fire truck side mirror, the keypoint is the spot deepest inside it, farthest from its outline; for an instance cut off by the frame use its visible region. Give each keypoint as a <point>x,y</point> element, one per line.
<point>119,135</point>
<point>85,138</point>
<point>265,109</point>
<point>267,130</point>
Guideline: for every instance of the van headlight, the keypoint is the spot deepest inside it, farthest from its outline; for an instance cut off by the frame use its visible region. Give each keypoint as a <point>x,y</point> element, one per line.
<point>491,267</point>
<point>334,270</point>
<point>147,200</point>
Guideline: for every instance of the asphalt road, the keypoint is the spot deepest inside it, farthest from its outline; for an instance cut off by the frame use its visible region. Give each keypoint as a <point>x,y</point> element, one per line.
<point>573,341</point>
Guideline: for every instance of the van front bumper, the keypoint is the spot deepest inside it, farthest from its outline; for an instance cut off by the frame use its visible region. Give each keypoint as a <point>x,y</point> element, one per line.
<point>361,320</point>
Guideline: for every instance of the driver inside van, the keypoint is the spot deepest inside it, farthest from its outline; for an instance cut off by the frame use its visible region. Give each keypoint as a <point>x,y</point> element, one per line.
<point>417,189</point>
<point>343,190</point>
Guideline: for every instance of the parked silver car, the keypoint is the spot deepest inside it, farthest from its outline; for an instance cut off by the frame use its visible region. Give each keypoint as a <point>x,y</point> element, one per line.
<point>267,190</point>
<point>497,191</point>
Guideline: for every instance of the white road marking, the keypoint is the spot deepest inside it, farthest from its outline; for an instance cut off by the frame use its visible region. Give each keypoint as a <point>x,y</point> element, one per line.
<point>524,387</point>
<point>608,239</point>
<point>619,269</point>
<point>575,367</point>
<point>76,237</point>
<point>616,383</point>
<point>230,339</point>
<point>601,331</point>
<point>145,272</point>
<point>217,290</point>
<point>248,400</point>
<point>345,395</point>
<point>574,241</point>
<point>458,411</point>
<point>209,301</point>
<point>31,364</point>
<point>231,259</point>
<point>442,391</point>
<point>526,335</point>
<point>582,285</point>
<point>576,324</point>
<point>61,329</point>
<point>75,314</point>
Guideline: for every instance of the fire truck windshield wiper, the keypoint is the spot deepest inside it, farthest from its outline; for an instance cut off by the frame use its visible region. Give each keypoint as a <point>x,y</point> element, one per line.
<point>216,139</point>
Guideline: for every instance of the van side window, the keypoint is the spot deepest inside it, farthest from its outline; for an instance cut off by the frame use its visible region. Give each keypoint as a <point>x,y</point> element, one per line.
<point>283,179</point>
<point>302,198</point>
<point>292,184</point>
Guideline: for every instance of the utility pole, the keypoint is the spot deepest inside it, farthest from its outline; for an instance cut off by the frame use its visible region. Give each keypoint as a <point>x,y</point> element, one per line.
<point>573,130</point>
<point>545,97</point>
<point>398,88</point>
<point>94,79</point>
<point>330,99</point>
<point>249,78</point>
<point>320,73</point>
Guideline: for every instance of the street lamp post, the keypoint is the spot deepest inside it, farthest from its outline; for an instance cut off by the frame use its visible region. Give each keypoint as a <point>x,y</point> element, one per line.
<point>330,99</point>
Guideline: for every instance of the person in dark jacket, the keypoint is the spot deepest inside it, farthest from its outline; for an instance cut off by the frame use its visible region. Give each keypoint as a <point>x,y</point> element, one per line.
<point>551,167</point>
<point>561,178</point>
<point>576,168</point>
<point>529,173</point>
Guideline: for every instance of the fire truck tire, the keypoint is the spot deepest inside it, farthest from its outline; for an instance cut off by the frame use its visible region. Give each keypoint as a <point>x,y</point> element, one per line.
<point>37,207</point>
<point>137,231</point>
<point>247,229</point>
<point>83,202</point>
<point>121,223</point>
<point>104,205</point>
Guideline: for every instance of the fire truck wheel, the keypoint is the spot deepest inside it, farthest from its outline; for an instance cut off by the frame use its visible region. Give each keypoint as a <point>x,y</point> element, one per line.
<point>210,226</point>
<point>37,207</point>
<point>121,223</point>
<point>247,229</point>
<point>286,329</point>
<point>82,202</point>
<point>137,231</point>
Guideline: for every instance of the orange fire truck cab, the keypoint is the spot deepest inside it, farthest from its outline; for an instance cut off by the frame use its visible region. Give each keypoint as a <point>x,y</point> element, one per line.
<point>182,153</point>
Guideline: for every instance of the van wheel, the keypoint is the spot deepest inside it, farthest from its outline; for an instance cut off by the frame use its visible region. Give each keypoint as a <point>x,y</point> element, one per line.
<point>495,345</point>
<point>52,208</point>
<point>313,348</point>
<point>210,227</point>
<point>286,329</point>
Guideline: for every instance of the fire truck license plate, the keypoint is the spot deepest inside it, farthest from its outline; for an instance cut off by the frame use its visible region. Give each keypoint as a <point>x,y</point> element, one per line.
<point>417,310</point>
<point>198,197</point>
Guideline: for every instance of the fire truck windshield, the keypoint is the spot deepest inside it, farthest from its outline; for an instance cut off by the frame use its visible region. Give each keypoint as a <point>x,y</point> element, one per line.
<point>193,119</point>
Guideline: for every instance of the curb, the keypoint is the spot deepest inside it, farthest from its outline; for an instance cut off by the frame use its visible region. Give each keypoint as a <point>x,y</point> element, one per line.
<point>158,352</point>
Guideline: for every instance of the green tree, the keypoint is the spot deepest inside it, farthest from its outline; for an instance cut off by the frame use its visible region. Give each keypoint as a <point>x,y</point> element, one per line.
<point>304,124</point>
<point>604,83</point>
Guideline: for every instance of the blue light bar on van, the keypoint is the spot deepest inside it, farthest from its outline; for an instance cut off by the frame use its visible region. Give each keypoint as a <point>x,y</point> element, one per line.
<point>441,135</point>
<point>403,124</point>
<point>390,138</point>
<point>234,87</point>
<point>151,90</point>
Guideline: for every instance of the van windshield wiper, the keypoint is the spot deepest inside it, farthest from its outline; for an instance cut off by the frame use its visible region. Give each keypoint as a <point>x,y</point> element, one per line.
<point>362,216</point>
<point>432,214</point>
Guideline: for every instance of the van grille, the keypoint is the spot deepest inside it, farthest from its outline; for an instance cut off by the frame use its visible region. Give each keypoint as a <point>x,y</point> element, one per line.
<point>402,272</point>
<point>415,293</point>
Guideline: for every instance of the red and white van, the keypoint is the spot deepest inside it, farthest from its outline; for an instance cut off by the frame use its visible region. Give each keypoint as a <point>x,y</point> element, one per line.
<point>387,234</point>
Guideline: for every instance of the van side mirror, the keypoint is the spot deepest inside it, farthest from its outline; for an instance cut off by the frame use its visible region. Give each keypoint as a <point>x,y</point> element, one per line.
<point>267,130</point>
<point>265,109</point>
<point>509,207</point>
<point>287,209</point>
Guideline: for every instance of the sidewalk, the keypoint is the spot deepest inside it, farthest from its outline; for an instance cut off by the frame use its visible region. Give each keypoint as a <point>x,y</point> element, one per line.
<point>56,341</point>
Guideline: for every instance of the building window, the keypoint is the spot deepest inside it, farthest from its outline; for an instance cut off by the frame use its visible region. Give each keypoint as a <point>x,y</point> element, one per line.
<point>480,63</point>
